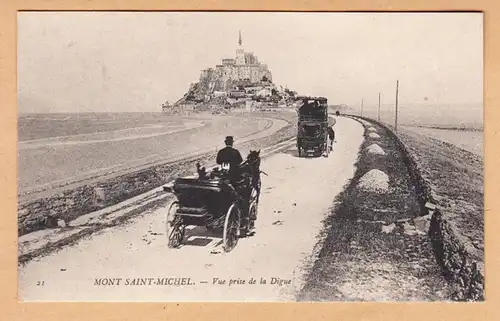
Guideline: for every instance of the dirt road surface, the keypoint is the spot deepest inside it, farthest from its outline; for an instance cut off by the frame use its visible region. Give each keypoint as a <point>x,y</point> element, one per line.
<point>297,196</point>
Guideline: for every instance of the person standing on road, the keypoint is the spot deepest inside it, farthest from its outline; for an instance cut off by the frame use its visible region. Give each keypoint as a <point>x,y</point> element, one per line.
<point>331,137</point>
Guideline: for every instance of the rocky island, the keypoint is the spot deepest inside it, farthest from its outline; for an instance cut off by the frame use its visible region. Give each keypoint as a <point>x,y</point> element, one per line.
<point>240,82</point>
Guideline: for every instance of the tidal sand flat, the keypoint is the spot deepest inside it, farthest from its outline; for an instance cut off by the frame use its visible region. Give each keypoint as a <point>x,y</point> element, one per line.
<point>52,148</point>
<point>470,140</point>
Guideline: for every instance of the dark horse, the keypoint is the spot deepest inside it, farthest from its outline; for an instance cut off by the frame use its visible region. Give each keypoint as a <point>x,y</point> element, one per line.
<point>249,181</point>
<point>251,167</point>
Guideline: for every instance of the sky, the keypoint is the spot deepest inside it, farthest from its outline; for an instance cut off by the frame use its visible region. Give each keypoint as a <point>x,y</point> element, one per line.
<point>132,61</point>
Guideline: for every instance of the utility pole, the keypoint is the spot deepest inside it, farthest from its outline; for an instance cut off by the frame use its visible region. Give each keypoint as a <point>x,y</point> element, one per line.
<point>396,119</point>
<point>378,118</point>
<point>362,101</point>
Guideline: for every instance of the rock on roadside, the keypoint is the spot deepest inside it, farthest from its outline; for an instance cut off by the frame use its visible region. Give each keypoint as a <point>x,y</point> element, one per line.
<point>422,223</point>
<point>375,150</point>
<point>374,181</point>
<point>374,135</point>
<point>364,122</point>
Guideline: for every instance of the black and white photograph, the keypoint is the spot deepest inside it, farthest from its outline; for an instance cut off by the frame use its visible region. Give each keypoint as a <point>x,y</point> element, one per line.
<point>232,156</point>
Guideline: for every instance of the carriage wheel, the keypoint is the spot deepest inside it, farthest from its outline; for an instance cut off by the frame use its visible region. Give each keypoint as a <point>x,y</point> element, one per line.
<point>249,226</point>
<point>174,227</point>
<point>231,228</point>
<point>252,214</point>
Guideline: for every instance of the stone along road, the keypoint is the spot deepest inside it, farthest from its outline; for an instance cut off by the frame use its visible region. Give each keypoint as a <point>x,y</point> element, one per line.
<point>297,195</point>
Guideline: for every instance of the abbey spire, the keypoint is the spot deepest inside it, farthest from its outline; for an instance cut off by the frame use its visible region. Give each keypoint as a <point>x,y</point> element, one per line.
<point>240,42</point>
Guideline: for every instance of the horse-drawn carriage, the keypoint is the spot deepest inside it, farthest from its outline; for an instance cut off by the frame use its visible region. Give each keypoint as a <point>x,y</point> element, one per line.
<point>222,201</point>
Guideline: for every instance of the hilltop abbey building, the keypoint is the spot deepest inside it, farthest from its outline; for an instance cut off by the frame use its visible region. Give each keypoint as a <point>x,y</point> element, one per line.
<point>245,67</point>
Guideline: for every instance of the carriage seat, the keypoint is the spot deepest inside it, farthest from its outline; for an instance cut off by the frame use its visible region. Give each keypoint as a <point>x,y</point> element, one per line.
<point>214,184</point>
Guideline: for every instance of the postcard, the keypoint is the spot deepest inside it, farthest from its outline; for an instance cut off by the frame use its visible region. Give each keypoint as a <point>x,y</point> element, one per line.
<point>250,156</point>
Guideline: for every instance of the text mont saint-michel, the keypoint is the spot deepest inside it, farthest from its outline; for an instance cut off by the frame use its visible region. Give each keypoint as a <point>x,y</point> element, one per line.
<point>178,281</point>
<point>142,281</point>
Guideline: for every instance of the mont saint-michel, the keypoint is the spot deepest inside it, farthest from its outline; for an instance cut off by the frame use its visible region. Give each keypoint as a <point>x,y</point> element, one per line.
<point>244,68</point>
<point>232,83</point>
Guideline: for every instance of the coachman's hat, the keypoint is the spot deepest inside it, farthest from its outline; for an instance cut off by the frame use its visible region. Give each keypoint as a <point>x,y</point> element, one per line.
<point>229,139</point>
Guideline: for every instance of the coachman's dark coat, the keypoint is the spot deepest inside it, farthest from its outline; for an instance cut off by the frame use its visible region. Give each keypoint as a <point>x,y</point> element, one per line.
<point>229,155</point>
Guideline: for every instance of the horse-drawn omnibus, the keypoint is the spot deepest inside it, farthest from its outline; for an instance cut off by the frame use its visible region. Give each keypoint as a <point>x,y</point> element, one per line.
<point>312,125</point>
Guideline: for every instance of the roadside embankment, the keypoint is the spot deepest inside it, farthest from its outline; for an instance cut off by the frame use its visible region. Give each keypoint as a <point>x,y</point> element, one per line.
<point>451,180</point>
<point>56,210</point>
<point>374,246</point>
